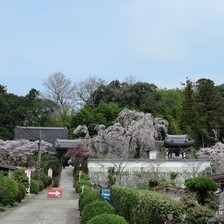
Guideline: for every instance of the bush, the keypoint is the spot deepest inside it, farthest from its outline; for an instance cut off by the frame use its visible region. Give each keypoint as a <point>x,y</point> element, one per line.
<point>83,176</point>
<point>80,183</point>
<point>21,177</point>
<point>53,162</point>
<point>84,172</point>
<point>107,219</point>
<point>46,180</point>
<point>122,199</point>
<point>87,189</point>
<point>34,187</point>
<point>9,190</point>
<point>152,207</point>
<point>153,182</point>
<point>201,186</point>
<point>173,175</point>
<point>199,214</point>
<point>56,181</point>
<point>143,206</point>
<point>41,185</point>
<point>21,192</point>
<point>88,198</point>
<point>96,208</point>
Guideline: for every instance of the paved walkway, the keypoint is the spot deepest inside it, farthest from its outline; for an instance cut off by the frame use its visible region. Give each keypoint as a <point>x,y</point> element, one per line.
<point>40,209</point>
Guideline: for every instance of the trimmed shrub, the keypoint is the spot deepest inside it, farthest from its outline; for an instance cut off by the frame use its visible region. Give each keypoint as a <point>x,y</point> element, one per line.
<point>87,189</point>
<point>34,187</point>
<point>21,177</point>
<point>41,185</point>
<point>202,186</point>
<point>56,181</point>
<point>88,198</point>
<point>9,191</point>
<point>21,192</point>
<point>83,176</point>
<point>152,207</point>
<point>46,180</point>
<point>80,183</point>
<point>122,199</point>
<point>96,208</point>
<point>107,219</point>
<point>143,206</point>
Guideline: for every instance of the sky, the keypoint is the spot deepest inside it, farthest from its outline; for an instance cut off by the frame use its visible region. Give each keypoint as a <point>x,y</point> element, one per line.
<point>157,41</point>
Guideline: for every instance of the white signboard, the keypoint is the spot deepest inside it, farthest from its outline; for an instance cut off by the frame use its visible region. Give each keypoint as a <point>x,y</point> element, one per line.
<point>28,173</point>
<point>50,172</point>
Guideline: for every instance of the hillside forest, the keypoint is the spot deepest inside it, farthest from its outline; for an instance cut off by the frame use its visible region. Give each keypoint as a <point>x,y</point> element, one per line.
<point>196,109</point>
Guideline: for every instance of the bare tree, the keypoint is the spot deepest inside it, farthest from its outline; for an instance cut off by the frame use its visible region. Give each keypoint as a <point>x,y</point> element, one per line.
<point>154,168</point>
<point>59,89</point>
<point>84,90</point>
<point>194,167</point>
<point>130,79</point>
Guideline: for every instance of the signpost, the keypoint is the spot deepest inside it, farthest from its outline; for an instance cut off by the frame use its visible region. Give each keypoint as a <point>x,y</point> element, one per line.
<point>28,173</point>
<point>55,193</point>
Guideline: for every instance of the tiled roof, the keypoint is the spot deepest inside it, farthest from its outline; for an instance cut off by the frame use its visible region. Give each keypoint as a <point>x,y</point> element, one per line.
<point>48,134</point>
<point>65,143</point>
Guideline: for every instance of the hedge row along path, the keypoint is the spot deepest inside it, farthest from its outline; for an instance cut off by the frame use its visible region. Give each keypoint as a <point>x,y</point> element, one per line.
<point>40,209</point>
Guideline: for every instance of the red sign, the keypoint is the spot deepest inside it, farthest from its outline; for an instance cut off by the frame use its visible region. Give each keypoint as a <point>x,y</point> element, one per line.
<point>55,193</point>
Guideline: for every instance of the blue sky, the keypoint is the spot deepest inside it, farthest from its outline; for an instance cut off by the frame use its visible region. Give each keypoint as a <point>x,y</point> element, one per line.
<point>157,41</point>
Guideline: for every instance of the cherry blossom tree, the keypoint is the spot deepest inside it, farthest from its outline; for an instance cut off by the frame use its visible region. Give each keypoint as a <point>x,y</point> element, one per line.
<point>16,152</point>
<point>79,154</point>
<point>215,154</point>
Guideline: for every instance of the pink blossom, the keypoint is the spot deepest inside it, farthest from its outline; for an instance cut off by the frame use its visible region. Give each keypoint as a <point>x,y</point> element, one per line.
<point>15,152</point>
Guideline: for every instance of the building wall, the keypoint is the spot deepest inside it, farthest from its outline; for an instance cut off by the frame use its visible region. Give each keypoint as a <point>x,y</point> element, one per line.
<point>134,173</point>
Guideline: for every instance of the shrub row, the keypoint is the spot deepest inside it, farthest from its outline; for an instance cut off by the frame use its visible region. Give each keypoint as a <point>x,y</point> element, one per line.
<point>87,197</point>
<point>107,219</point>
<point>93,207</point>
<point>13,189</point>
<point>9,191</point>
<point>143,206</point>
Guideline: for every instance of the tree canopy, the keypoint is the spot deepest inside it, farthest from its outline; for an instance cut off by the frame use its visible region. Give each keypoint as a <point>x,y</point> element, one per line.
<point>197,109</point>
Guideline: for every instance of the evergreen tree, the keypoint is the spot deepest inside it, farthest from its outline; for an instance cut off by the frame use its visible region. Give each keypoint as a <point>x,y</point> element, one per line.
<point>207,116</point>
<point>169,107</point>
<point>188,109</point>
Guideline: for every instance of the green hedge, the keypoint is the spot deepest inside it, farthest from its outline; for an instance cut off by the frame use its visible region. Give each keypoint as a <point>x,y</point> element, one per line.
<point>8,191</point>
<point>80,183</point>
<point>21,177</point>
<point>46,180</point>
<point>87,189</point>
<point>151,207</point>
<point>41,185</point>
<point>107,219</point>
<point>96,208</point>
<point>56,181</point>
<point>21,192</point>
<point>122,199</point>
<point>143,206</point>
<point>34,187</point>
<point>89,197</point>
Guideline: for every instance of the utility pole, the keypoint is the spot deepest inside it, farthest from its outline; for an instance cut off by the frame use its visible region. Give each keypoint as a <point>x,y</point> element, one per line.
<point>39,150</point>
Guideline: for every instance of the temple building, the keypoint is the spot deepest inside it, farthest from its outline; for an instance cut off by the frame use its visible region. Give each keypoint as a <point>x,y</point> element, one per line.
<point>177,144</point>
